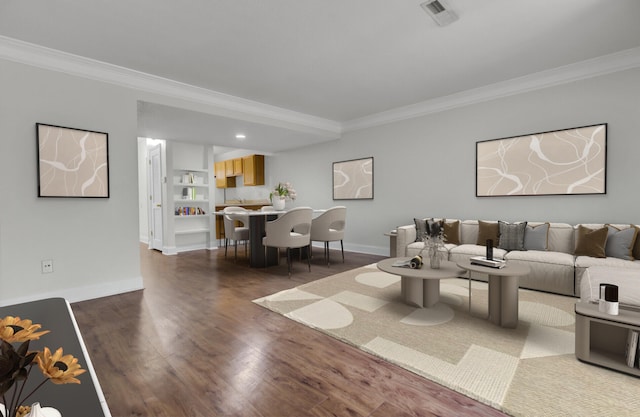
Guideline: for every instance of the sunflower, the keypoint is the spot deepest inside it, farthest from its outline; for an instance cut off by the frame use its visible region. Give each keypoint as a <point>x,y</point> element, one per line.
<point>14,329</point>
<point>58,368</point>
<point>23,410</point>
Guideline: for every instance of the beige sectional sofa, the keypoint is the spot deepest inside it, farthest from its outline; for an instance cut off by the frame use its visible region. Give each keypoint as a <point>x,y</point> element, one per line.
<point>551,258</point>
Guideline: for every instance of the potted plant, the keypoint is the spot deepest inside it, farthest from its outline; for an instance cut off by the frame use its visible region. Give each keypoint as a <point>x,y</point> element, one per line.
<point>283,192</point>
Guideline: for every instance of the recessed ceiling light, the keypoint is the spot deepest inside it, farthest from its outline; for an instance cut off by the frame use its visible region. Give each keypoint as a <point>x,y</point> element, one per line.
<point>241,136</point>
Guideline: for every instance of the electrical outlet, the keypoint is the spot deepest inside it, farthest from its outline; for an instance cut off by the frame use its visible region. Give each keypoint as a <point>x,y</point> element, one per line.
<point>47,266</point>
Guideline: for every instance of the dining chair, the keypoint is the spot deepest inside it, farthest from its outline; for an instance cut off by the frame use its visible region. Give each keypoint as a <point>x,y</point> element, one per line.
<point>267,208</point>
<point>329,227</point>
<point>233,214</point>
<point>279,233</point>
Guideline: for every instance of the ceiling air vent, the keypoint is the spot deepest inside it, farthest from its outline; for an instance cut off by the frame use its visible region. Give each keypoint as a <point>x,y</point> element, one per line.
<point>440,11</point>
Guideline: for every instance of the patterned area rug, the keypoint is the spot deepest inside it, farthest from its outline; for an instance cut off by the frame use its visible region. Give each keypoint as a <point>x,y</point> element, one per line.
<point>527,371</point>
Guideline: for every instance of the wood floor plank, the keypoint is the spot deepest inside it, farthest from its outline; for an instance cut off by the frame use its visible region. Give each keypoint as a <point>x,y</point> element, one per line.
<point>193,344</point>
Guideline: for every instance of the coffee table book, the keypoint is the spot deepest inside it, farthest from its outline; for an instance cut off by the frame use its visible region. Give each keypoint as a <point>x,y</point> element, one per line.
<point>632,347</point>
<point>603,339</point>
<point>491,263</point>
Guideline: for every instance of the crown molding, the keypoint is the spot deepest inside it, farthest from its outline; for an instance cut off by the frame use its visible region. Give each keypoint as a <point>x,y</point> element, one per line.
<point>51,59</point>
<point>590,68</point>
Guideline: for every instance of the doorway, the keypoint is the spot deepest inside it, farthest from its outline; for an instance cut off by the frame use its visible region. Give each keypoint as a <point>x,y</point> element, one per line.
<point>155,198</point>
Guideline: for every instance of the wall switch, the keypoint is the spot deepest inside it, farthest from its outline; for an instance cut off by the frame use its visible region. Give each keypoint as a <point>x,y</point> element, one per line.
<point>47,266</point>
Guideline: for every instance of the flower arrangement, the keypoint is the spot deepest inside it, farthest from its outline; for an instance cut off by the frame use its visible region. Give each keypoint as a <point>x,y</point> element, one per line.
<point>16,364</point>
<point>283,189</point>
<point>433,240</point>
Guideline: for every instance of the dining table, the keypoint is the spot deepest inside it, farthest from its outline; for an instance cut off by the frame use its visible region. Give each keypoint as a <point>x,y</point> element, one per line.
<point>259,255</point>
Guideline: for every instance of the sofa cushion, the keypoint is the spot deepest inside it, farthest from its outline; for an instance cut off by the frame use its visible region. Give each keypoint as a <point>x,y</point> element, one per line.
<point>562,237</point>
<point>589,261</point>
<point>465,251</point>
<point>536,237</point>
<point>415,248</point>
<point>620,242</point>
<point>511,235</point>
<point>591,242</point>
<point>636,247</point>
<point>541,257</point>
<point>452,232</point>
<point>421,228</point>
<point>627,280</point>
<point>488,230</point>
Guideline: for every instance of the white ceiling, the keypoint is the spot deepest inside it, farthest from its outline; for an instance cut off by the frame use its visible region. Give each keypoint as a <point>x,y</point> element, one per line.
<point>339,61</point>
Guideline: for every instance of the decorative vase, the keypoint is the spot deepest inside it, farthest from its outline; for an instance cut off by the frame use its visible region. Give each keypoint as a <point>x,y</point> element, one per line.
<point>434,260</point>
<point>278,203</point>
<point>36,411</point>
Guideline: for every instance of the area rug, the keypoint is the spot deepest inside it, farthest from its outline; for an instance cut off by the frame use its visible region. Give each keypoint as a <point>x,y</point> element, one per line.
<point>527,371</point>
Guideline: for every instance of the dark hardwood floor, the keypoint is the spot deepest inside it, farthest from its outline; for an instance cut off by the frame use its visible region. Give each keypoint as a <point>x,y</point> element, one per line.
<point>193,344</point>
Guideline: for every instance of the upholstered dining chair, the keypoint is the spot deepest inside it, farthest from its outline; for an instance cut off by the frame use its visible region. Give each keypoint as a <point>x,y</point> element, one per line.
<point>279,233</point>
<point>233,232</point>
<point>267,208</point>
<point>329,227</point>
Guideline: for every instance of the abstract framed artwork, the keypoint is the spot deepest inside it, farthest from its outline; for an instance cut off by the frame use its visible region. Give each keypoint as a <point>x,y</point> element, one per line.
<point>353,179</point>
<point>559,162</point>
<point>72,162</point>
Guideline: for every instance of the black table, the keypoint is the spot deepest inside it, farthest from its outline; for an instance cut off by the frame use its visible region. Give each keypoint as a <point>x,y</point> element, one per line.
<point>258,256</point>
<point>72,400</point>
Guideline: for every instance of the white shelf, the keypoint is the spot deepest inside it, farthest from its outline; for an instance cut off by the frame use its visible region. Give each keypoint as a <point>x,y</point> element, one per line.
<point>190,201</point>
<point>189,184</point>
<point>192,231</point>
<point>205,171</point>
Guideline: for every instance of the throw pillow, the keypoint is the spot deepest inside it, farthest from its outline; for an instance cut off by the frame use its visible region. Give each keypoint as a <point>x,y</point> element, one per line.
<point>591,242</point>
<point>421,228</point>
<point>452,232</point>
<point>511,235</point>
<point>636,247</point>
<point>537,237</point>
<point>487,230</point>
<point>620,242</point>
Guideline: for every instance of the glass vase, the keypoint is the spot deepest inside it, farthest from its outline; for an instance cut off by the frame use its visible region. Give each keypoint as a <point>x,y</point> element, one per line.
<point>434,261</point>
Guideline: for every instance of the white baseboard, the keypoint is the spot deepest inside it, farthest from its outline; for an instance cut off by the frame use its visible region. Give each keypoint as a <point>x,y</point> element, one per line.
<point>369,250</point>
<point>82,293</point>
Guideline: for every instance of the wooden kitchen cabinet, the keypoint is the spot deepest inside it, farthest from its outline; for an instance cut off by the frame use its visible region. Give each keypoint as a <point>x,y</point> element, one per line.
<point>220,171</point>
<point>237,166</point>
<point>253,167</point>
<point>228,167</point>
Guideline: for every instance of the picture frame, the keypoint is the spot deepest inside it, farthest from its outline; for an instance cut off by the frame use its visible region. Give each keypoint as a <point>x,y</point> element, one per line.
<point>72,162</point>
<point>559,162</point>
<point>353,179</point>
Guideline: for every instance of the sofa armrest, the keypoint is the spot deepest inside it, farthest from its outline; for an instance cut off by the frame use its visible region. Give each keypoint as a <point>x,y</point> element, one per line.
<point>406,235</point>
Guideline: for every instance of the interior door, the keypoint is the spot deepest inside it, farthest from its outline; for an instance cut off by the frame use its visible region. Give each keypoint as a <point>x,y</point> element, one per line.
<point>155,198</point>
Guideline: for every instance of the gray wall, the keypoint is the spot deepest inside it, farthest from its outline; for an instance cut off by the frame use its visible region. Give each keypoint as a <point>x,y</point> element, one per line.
<point>93,242</point>
<point>426,166</point>
<point>423,167</point>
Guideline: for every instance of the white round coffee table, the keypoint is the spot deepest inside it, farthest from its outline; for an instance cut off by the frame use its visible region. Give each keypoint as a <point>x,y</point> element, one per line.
<point>420,287</point>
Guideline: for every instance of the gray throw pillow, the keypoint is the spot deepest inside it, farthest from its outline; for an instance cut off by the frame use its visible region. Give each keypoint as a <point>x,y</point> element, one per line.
<point>620,242</point>
<point>511,235</point>
<point>421,229</point>
<point>537,237</point>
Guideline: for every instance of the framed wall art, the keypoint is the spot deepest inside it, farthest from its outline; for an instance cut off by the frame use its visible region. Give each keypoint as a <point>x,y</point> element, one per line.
<point>353,179</point>
<point>569,161</point>
<point>72,162</point>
